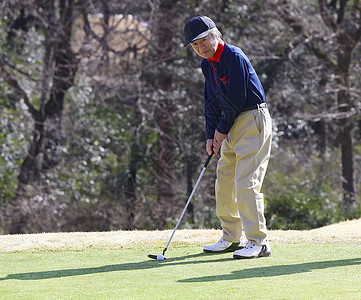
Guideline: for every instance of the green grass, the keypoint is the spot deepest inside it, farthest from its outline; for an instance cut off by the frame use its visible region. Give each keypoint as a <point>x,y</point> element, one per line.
<point>293,272</point>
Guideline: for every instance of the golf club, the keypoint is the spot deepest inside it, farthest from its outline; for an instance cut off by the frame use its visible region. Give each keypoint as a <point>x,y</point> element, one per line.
<point>161,256</point>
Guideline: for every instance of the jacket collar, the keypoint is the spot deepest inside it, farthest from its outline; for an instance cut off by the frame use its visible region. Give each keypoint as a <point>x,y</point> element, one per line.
<point>216,57</point>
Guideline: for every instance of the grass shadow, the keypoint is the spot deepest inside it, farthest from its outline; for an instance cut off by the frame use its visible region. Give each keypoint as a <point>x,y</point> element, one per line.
<point>268,271</point>
<point>148,264</point>
<point>279,270</point>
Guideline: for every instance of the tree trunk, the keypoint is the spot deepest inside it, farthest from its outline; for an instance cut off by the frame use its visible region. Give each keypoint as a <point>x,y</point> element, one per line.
<point>191,164</point>
<point>347,126</point>
<point>345,41</point>
<point>348,168</point>
<point>131,195</point>
<point>165,172</point>
<point>47,133</point>
<point>321,129</point>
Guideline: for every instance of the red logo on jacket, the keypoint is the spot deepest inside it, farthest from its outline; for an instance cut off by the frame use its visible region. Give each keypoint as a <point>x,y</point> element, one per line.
<point>224,79</point>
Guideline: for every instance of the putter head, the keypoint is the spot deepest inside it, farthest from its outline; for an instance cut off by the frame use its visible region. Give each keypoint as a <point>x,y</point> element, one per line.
<point>156,257</point>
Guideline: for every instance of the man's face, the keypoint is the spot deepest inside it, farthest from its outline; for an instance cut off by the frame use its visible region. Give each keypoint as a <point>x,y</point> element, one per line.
<point>206,47</point>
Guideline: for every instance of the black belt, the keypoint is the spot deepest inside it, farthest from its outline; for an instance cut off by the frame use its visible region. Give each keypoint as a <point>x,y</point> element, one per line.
<point>257,106</point>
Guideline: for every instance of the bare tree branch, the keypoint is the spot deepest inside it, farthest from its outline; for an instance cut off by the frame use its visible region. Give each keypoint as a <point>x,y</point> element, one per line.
<point>357,35</point>
<point>326,16</point>
<point>310,41</point>
<point>10,65</point>
<point>331,116</point>
<point>341,12</point>
<point>102,40</point>
<point>16,87</point>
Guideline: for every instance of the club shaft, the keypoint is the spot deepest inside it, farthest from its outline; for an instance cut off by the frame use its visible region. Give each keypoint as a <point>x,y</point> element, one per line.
<point>185,208</point>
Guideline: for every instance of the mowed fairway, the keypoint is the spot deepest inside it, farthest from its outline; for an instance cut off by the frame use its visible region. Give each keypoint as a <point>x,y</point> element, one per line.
<point>316,270</point>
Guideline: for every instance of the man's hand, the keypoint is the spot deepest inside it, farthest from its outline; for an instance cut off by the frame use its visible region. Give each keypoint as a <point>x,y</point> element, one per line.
<point>218,140</point>
<point>215,143</point>
<point>209,146</point>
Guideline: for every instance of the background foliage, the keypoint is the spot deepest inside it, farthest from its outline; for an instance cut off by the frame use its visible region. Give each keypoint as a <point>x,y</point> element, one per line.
<point>106,171</point>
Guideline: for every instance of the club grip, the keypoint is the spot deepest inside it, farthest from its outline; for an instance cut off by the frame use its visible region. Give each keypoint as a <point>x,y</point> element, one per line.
<point>208,159</point>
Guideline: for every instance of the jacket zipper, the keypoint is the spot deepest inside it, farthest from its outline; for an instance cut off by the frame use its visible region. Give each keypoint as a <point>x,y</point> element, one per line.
<point>214,71</point>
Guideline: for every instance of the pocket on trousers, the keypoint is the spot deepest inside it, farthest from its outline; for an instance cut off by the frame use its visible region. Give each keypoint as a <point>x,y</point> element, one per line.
<point>228,138</point>
<point>257,119</point>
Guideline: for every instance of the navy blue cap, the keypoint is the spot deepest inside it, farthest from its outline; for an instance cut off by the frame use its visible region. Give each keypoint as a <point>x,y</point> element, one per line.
<point>197,28</point>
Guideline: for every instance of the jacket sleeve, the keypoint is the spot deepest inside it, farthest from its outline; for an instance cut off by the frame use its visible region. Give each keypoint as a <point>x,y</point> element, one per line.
<point>234,100</point>
<point>212,110</point>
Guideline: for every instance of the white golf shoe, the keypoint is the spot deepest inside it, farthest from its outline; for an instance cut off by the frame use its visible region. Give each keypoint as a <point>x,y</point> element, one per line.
<point>251,250</point>
<point>222,246</point>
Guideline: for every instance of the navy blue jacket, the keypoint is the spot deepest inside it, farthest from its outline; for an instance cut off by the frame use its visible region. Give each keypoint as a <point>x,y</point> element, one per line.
<point>231,86</point>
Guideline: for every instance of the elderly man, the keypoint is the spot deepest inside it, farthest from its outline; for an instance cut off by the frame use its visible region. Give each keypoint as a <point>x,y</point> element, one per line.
<point>238,125</point>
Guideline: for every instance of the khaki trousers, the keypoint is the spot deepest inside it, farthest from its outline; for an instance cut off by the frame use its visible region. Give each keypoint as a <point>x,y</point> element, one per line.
<point>240,172</point>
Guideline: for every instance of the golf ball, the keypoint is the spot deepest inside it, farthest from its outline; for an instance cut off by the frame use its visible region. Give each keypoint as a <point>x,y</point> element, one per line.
<point>160,257</point>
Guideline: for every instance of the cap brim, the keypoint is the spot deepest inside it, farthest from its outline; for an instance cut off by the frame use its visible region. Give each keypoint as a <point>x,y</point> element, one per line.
<point>199,36</point>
